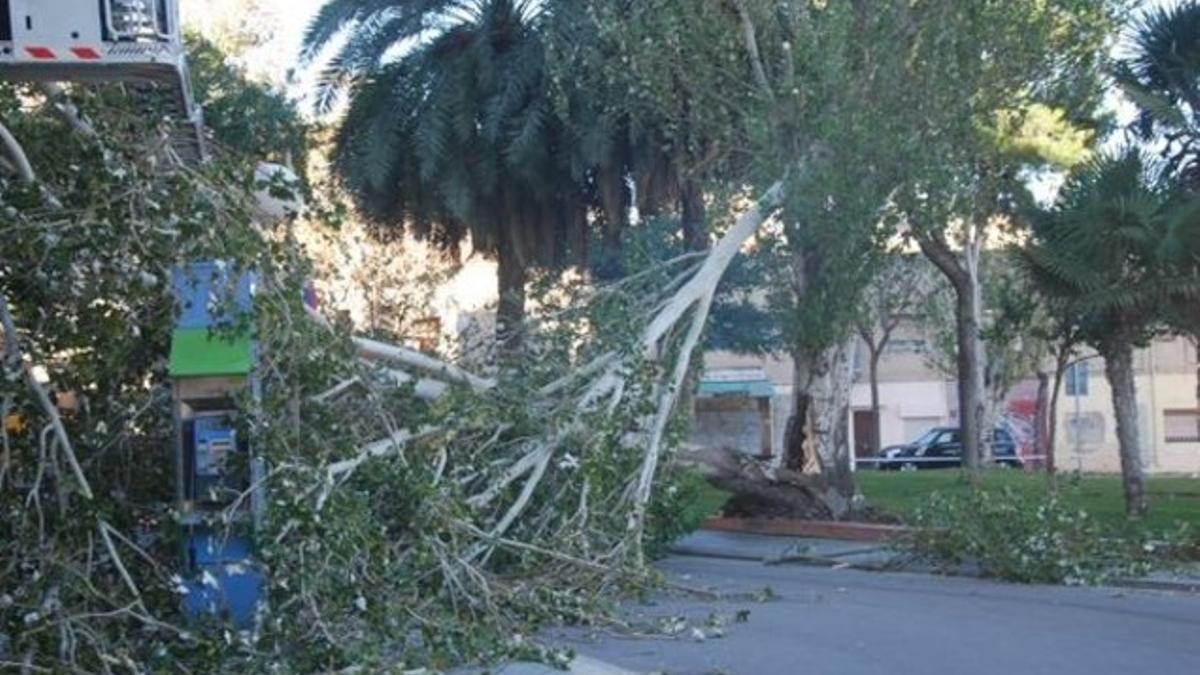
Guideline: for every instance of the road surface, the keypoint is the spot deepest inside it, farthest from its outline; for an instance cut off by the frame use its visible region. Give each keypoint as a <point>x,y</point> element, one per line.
<point>851,622</point>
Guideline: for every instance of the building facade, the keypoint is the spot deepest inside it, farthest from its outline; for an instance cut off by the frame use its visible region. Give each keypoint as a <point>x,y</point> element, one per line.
<point>744,402</point>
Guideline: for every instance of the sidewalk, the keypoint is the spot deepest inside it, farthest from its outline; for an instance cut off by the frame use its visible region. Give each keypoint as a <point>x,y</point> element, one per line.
<point>870,556</point>
<point>805,550</point>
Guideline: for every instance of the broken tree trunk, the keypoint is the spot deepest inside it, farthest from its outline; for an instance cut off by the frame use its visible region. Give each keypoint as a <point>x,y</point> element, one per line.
<point>830,410</point>
<point>759,490</point>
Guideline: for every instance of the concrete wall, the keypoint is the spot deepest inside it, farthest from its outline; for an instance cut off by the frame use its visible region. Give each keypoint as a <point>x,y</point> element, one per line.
<point>738,422</point>
<point>1094,446</point>
<point>906,409</point>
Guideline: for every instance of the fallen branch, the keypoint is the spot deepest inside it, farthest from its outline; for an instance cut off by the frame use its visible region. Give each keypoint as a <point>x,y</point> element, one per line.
<point>392,444</point>
<point>14,358</point>
<point>426,389</point>
<point>706,279</point>
<point>381,350</point>
<point>66,111</point>
<point>20,161</point>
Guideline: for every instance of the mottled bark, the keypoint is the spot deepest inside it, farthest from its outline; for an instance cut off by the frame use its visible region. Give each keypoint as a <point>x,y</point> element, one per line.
<point>1118,368</point>
<point>830,409</point>
<point>796,434</point>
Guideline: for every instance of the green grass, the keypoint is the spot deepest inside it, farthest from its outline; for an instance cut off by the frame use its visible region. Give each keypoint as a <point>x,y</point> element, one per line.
<point>705,502</point>
<point>1173,499</point>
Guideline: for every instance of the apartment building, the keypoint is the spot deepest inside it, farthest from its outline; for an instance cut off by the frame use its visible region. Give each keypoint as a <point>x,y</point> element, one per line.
<point>744,402</point>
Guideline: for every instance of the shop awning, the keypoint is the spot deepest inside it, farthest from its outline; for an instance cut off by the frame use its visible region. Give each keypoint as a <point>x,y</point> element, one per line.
<point>759,388</point>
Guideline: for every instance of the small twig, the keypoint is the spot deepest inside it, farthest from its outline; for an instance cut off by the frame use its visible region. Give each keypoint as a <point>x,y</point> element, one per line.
<point>14,358</point>
<point>750,37</point>
<point>334,390</point>
<point>496,540</point>
<point>57,97</point>
<point>20,160</point>
<point>5,449</point>
<point>116,557</point>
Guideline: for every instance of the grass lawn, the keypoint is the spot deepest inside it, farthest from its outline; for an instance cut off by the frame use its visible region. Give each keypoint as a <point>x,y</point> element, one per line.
<point>1173,499</point>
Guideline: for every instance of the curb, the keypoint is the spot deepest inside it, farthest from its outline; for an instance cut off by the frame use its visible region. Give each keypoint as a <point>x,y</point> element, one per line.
<point>822,529</point>
<point>580,665</point>
<point>1192,586</point>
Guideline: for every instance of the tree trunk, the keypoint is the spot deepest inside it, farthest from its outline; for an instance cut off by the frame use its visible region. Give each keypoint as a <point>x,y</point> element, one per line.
<point>693,216</point>
<point>510,315</point>
<point>795,435</point>
<point>971,408</point>
<point>1062,360</point>
<point>876,423</point>
<point>614,199</point>
<point>693,220</point>
<point>1041,414</point>
<point>830,404</point>
<point>796,432</point>
<point>1118,368</point>
<point>760,491</point>
<point>970,358</point>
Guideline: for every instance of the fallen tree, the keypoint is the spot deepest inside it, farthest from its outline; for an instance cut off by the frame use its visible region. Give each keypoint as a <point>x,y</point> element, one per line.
<point>762,490</point>
<point>419,515</point>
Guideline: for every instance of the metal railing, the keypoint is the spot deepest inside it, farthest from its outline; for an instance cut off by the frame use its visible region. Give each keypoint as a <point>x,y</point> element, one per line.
<point>876,461</point>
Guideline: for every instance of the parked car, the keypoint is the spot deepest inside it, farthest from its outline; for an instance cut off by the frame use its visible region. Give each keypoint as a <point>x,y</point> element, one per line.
<point>941,448</point>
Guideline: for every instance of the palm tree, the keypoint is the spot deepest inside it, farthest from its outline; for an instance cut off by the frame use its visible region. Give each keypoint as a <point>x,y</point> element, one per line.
<point>1094,256</point>
<point>1161,74</point>
<point>450,130</point>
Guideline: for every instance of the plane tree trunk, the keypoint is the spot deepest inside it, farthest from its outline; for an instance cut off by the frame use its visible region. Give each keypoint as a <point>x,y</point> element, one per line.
<point>830,410</point>
<point>796,434</point>
<point>964,279</point>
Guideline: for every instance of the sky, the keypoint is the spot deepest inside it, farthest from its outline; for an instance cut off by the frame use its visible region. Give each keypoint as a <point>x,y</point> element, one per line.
<point>279,23</point>
<point>282,24</point>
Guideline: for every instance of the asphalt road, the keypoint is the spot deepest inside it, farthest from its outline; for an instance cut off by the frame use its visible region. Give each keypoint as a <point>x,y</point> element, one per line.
<point>845,621</point>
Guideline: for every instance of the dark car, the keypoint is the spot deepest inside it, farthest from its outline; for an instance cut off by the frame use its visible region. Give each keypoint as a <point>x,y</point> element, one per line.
<point>941,448</point>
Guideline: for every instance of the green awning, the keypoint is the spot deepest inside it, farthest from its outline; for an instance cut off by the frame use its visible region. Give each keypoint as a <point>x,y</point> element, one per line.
<point>751,388</point>
<point>197,353</point>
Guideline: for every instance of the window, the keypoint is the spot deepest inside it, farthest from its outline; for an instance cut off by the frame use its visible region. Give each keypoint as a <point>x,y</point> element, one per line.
<point>948,437</point>
<point>906,347</point>
<point>1077,379</point>
<point>1182,426</point>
